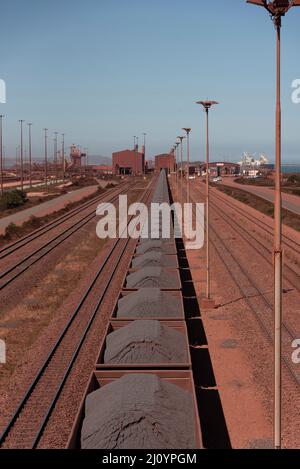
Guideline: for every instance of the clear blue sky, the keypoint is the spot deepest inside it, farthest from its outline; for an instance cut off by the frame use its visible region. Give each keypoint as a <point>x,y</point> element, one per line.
<point>103,71</point>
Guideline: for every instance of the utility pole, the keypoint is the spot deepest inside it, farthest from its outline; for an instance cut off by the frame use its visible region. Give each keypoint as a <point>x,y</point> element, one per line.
<point>21,154</point>
<point>55,156</point>
<point>277,9</point>
<point>188,131</point>
<point>63,155</point>
<point>181,165</point>
<point>30,153</point>
<point>145,135</point>
<point>46,157</point>
<point>208,301</point>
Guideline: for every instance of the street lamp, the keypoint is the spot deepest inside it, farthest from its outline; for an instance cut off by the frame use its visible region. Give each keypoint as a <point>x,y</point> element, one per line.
<point>55,155</point>
<point>181,163</point>
<point>1,151</point>
<point>207,105</point>
<point>145,135</point>
<point>30,153</point>
<point>188,131</point>
<point>63,154</point>
<point>21,150</point>
<point>177,167</point>
<point>46,156</point>
<point>277,9</point>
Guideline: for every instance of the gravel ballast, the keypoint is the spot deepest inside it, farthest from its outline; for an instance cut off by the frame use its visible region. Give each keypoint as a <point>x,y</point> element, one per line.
<point>145,342</point>
<point>139,411</point>
<point>149,303</point>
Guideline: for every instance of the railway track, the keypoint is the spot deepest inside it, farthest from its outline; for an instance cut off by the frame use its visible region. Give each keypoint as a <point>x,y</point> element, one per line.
<point>18,244</point>
<point>18,268</point>
<point>287,240</point>
<point>256,299</point>
<point>290,274</point>
<point>26,426</point>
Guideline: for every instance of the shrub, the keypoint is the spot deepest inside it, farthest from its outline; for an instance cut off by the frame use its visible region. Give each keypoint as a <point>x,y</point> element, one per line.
<point>11,230</point>
<point>12,199</point>
<point>294,179</point>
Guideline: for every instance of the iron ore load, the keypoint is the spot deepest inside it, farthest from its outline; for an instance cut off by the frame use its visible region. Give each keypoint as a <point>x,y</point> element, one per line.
<point>142,394</point>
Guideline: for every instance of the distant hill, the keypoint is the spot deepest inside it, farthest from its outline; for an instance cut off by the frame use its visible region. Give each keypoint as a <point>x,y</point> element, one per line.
<point>99,159</point>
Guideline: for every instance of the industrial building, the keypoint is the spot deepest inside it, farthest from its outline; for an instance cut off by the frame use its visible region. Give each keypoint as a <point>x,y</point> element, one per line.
<point>221,168</point>
<point>129,162</point>
<point>103,170</point>
<point>165,161</point>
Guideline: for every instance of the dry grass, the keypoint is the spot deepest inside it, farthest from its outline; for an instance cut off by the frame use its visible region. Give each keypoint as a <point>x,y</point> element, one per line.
<point>21,325</point>
<point>264,206</point>
<point>14,232</point>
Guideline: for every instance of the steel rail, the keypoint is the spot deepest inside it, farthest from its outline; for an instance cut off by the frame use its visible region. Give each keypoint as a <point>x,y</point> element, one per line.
<point>54,349</point>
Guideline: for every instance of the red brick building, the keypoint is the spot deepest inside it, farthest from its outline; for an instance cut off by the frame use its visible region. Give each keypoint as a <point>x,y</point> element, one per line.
<point>165,161</point>
<point>128,162</point>
<point>103,169</point>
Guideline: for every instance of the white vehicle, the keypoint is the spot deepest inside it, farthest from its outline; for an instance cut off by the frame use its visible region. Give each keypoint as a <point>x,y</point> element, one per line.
<point>217,179</point>
<point>192,176</point>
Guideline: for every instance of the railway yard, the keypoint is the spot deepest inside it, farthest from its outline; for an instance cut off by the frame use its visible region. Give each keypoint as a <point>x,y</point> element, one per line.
<point>108,346</point>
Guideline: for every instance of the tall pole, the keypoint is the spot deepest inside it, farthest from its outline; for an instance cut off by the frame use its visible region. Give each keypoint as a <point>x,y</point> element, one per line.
<point>46,156</point>
<point>55,156</point>
<point>207,211</point>
<point>30,153</point>
<point>188,130</point>
<point>278,254</point>
<point>86,161</point>
<point>63,155</point>
<point>145,157</point>
<point>1,151</point>
<point>181,166</point>
<point>177,170</point>
<point>277,9</point>
<point>21,153</point>
<point>207,105</point>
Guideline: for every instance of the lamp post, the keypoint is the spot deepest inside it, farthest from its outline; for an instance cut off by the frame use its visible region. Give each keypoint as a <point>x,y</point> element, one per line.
<point>21,153</point>
<point>145,135</point>
<point>188,131</point>
<point>55,155</point>
<point>30,153</point>
<point>63,155</point>
<point>177,168</point>
<point>1,151</point>
<point>207,105</point>
<point>181,163</point>
<point>46,156</point>
<point>277,9</point>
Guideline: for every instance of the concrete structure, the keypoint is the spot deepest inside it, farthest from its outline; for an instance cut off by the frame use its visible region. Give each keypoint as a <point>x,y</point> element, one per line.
<point>165,161</point>
<point>128,162</point>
